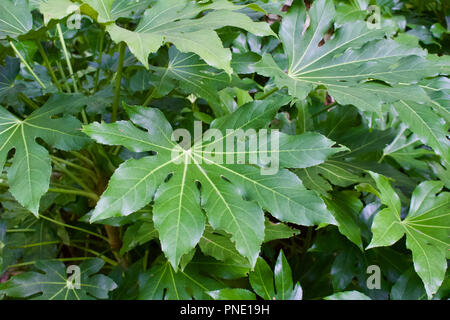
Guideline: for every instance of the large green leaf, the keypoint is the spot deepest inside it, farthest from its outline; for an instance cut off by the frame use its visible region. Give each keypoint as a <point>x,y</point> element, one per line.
<point>15,18</point>
<point>29,175</point>
<point>347,63</point>
<point>54,284</point>
<point>426,227</point>
<point>225,188</point>
<point>173,21</point>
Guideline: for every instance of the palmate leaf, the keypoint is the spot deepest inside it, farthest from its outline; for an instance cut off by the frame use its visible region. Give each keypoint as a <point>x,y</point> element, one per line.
<point>29,175</point>
<point>426,227</point>
<point>15,18</point>
<point>173,21</point>
<point>54,283</point>
<point>225,188</point>
<point>347,63</point>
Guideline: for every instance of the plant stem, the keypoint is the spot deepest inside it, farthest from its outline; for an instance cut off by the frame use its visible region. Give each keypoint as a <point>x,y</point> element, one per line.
<point>72,176</point>
<point>115,243</point>
<point>324,110</point>
<point>19,230</point>
<point>73,227</point>
<point>73,165</point>
<point>149,97</point>
<point>90,195</point>
<point>268,93</point>
<point>48,65</point>
<point>63,76</point>
<point>31,245</point>
<point>24,264</point>
<point>26,65</point>
<point>95,253</point>
<point>122,47</point>
<point>116,150</point>
<point>66,54</point>
<point>83,158</point>
<point>99,61</point>
<point>28,101</point>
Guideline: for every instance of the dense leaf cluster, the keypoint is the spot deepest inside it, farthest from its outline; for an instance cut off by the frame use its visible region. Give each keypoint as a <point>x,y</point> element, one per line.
<point>355,92</point>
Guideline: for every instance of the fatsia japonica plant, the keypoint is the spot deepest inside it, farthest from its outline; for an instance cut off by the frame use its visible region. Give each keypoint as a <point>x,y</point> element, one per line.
<point>216,149</point>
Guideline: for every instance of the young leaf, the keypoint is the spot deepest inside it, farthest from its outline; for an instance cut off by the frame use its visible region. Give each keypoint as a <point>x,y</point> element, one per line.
<point>426,228</point>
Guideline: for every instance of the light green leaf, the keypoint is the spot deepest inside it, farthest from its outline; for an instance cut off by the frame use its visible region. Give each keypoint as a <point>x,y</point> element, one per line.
<point>57,9</point>
<point>173,21</point>
<point>348,295</point>
<point>426,227</point>
<point>232,294</point>
<point>15,18</point>
<point>220,246</point>
<point>275,231</point>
